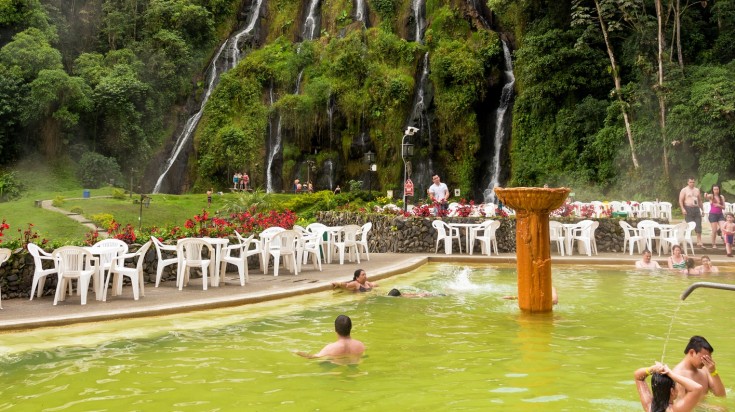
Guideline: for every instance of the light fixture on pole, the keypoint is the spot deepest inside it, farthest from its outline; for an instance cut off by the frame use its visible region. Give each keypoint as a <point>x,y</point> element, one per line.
<point>406,155</point>
<point>370,160</point>
<point>309,168</point>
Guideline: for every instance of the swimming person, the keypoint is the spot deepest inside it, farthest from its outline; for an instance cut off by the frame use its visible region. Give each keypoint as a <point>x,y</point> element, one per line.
<point>677,260</point>
<point>344,348</point>
<point>661,396</point>
<point>646,262</point>
<point>397,293</point>
<point>707,266</point>
<point>554,296</point>
<point>691,267</point>
<point>359,283</point>
<point>699,366</point>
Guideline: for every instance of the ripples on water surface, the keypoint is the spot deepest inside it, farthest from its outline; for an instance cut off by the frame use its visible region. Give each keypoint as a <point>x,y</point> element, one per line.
<point>465,348</point>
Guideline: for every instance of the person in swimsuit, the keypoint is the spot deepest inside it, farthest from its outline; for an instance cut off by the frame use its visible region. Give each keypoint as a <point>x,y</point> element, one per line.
<point>209,197</point>
<point>699,366</point>
<point>690,201</point>
<point>716,217</point>
<point>661,396</point>
<point>646,262</point>
<point>691,268</point>
<point>677,260</point>
<point>359,283</point>
<point>706,266</point>
<point>345,348</point>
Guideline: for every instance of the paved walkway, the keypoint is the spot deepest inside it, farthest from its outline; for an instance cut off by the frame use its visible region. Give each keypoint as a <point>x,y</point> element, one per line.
<point>48,205</point>
<point>166,299</point>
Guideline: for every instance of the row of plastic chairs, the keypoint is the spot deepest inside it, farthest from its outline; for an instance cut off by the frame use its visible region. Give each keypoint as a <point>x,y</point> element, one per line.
<point>644,235</point>
<point>582,233</point>
<point>484,233</point>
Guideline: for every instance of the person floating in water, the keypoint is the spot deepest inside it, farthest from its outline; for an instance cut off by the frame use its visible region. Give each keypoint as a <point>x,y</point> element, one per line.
<point>345,348</point>
<point>699,366</point>
<point>397,293</point>
<point>662,395</point>
<point>359,283</point>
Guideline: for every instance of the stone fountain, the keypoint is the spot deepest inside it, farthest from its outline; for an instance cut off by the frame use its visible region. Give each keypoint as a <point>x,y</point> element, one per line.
<point>532,206</point>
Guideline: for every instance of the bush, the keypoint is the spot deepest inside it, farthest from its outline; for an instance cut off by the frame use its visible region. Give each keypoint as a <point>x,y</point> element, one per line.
<point>118,194</point>
<point>95,170</point>
<point>103,220</point>
<point>77,210</point>
<point>58,201</point>
<point>10,186</point>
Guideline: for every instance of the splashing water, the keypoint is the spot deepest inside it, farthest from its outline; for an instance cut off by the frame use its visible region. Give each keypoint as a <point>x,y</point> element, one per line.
<point>668,334</point>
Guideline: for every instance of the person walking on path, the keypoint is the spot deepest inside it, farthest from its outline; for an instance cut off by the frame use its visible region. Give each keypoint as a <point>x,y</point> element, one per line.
<point>690,202</point>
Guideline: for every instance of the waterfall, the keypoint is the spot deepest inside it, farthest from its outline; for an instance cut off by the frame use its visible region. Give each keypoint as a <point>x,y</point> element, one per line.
<point>501,121</point>
<point>360,10</point>
<point>418,16</point>
<point>330,115</point>
<point>215,69</point>
<point>274,149</point>
<point>329,167</point>
<point>311,24</point>
<point>419,117</point>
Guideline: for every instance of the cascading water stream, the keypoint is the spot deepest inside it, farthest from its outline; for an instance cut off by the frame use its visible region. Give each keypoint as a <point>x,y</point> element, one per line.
<point>506,97</point>
<point>215,69</point>
<point>311,24</point>
<point>418,16</point>
<point>360,10</point>
<point>311,29</point>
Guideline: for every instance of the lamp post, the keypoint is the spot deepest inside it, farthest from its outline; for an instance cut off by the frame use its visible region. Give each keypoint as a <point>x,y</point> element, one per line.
<point>406,155</point>
<point>309,168</point>
<point>370,160</point>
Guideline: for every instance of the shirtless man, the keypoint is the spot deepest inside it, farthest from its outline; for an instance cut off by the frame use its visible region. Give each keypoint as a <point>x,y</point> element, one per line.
<point>344,348</point>
<point>646,262</point>
<point>690,202</point>
<point>699,366</point>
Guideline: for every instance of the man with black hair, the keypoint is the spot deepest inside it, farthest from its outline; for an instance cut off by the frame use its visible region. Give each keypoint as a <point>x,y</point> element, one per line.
<point>345,347</point>
<point>699,366</point>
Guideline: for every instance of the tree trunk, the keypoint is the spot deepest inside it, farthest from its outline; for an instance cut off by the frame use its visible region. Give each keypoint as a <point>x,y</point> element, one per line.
<point>618,87</point>
<point>660,88</point>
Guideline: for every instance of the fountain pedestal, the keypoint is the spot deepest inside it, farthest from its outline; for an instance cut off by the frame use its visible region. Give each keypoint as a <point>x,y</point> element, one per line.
<point>532,206</point>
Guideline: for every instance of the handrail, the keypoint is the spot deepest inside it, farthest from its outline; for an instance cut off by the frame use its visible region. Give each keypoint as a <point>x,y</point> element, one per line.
<point>691,288</point>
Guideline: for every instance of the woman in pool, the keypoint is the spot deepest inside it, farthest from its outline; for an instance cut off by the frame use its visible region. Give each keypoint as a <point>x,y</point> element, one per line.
<point>359,283</point>
<point>706,266</point>
<point>677,260</point>
<point>661,396</point>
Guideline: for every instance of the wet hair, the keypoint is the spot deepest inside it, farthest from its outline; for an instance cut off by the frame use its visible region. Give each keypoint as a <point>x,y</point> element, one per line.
<point>343,325</point>
<point>690,263</point>
<point>357,274</point>
<point>394,292</point>
<point>698,343</point>
<point>661,386</point>
<point>674,247</point>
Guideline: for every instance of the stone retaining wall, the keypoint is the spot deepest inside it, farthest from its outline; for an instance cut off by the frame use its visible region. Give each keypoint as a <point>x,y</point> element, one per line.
<point>389,234</point>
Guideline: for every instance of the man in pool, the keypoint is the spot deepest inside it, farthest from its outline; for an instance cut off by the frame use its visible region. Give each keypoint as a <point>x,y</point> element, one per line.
<point>344,348</point>
<point>699,366</point>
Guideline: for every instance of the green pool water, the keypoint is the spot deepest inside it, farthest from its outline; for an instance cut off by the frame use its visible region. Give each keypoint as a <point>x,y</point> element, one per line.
<point>467,349</point>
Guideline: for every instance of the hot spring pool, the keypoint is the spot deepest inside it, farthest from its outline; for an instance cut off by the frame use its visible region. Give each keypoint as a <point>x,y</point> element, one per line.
<point>467,350</point>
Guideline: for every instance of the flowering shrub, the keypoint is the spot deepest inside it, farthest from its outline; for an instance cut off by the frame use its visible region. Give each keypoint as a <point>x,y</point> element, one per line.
<point>465,209</point>
<point>3,226</point>
<point>91,238</point>
<point>125,233</point>
<point>423,210</point>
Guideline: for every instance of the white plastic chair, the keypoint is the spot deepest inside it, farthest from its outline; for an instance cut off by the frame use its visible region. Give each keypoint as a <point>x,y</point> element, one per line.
<point>163,262</point>
<point>593,238</point>
<point>582,233</point>
<point>556,234</point>
<point>688,238</point>
<point>310,248</point>
<point>75,263</point>
<point>665,210</point>
<point>632,237</point>
<point>190,255</point>
<point>362,239</point>
<point>447,234</point>
<point>117,248</point>
<point>487,239</point>
<point>39,273</point>
<point>706,207</point>
<point>284,245</point>
<point>647,229</point>
<point>347,243</point>
<point>4,256</point>
<point>240,260</point>
<point>120,271</point>
<point>265,240</point>
<point>675,237</point>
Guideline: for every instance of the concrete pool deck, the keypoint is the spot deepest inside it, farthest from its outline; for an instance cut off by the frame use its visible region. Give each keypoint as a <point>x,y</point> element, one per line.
<point>20,314</point>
